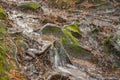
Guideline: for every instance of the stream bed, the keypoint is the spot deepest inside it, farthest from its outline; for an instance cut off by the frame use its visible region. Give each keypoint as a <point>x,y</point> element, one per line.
<point>47,48</point>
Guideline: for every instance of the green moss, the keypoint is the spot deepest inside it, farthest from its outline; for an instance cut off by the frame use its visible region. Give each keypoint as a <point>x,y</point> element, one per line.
<point>74,28</point>
<point>30,5</point>
<point>71,38</point>
<point>72,32</point>
<point>3,63</point>
<point>2,50</point>
<point>3,14</point>
<point>3,30</point>
<point>71,42</point>
<point>1,36</point>
<point>6,48</point>
<point>4,78</point>
<point>52,30</point>
<point>75,50</point>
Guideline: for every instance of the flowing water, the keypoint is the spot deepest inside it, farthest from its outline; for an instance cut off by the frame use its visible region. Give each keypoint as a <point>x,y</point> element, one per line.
<point>61,62</point>
<point>59,58</point>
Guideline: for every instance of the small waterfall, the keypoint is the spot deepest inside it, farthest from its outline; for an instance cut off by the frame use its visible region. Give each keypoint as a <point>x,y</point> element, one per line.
<point>57,58</point>
<point>58,55</point>
<point>62,62</point>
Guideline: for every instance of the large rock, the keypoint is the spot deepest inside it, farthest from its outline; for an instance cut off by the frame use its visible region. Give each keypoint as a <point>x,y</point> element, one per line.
<point>51,29</point>
<point>69,36</point>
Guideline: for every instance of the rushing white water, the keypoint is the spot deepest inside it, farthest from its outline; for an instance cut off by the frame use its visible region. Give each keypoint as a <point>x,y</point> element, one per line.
<point>57,59</point>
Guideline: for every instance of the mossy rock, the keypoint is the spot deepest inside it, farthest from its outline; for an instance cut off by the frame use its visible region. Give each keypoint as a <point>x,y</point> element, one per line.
<point>70,41</point>
<point>71,31</point>
<point>3,14</point>
<point>30,6</point>
<point>51,29</point>
<point>75,50</point>
<point>69,35</point>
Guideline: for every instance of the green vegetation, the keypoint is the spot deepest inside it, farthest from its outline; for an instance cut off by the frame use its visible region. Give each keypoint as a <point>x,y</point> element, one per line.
<point>71,43</point>
<point>3,14</point>
<point>71,32</point>
<point>3,64</point>
<point>3,30</point>
<point>30,5</point>
<point>74,49</point>
<point>69,36</point>
<point>52,30</point>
